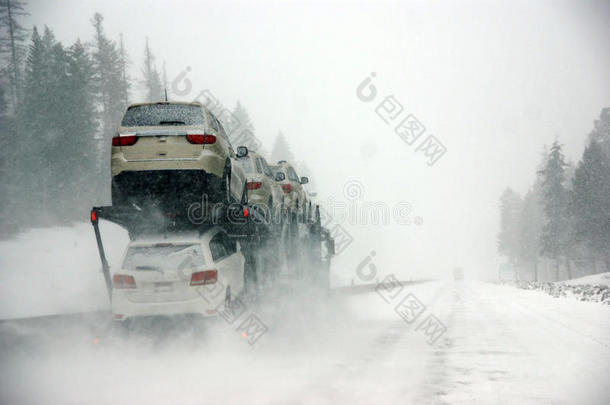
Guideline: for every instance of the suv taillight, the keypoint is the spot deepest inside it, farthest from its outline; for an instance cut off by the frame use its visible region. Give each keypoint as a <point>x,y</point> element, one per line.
<point>204,277</point>
<point>287,188</point>
<point>254,185</point>
<point>201,139</point>
<point>124,140</point>
<point>123,281</point>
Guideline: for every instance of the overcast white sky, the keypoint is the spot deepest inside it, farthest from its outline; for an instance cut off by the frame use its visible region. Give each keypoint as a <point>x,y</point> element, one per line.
<point>493,81</point>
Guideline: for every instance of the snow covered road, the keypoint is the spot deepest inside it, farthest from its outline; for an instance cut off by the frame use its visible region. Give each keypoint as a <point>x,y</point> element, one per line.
<point>501,345</point>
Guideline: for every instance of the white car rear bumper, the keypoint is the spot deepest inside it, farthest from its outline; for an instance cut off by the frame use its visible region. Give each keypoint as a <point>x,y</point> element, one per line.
<point>123,308</point>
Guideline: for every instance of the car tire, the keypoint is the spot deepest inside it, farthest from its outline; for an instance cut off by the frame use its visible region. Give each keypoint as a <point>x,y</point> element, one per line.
<point>309,212</point>
<point>269,212</point>
<point>226,184</point>
<point>120,329</point>
<point>116,194</point>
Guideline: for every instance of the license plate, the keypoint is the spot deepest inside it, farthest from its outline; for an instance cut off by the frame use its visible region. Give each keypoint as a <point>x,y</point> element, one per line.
<point>163,287</point>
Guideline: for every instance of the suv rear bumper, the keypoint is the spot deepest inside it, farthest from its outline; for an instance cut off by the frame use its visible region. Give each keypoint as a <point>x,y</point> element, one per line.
<point>209,161</point>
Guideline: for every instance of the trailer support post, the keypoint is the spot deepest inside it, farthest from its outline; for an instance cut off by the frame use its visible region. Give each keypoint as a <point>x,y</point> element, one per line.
<point>100,248</point>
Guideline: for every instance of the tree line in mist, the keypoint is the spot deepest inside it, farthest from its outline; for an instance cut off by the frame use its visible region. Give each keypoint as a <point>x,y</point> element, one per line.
<point>60,106</point>
<point>560,228</point>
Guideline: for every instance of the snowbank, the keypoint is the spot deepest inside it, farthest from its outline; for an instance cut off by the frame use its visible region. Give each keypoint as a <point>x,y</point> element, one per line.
<point>583,292</point>
<point>595,279</point>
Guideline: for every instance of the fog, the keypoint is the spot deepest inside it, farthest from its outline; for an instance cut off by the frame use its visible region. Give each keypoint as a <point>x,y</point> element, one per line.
<point>496,83</point>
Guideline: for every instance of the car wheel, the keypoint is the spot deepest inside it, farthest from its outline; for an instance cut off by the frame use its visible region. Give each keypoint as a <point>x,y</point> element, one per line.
<point>269,213</point>
<point>116,194</point>
<point>309,212</point>
<point>120,329</point>
<point>226,184</point>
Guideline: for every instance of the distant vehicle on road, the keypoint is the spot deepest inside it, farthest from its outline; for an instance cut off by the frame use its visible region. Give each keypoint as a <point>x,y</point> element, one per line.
<point>458,274</point>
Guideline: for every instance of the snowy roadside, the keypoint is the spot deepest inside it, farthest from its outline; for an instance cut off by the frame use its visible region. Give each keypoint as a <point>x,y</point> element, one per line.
<point>56,270</point>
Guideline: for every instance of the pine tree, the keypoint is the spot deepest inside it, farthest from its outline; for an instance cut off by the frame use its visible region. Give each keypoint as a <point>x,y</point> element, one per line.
<point>53,119</point>
<point>508,238</point>
<point>34,114</point>
<point>109,77</point>
<point>123,66</point>
<point>240,129</point>
<point>37,122</point>
<point>555,233</point>
<point>111,90</point>
<point>152,81</point>
<point>2,105</point>
<point>240,120</point>
<point>81,101</point>
<point>531,221</point>
<point>281,150</point>
<point>601,131</point>
<point>591,200</point>
<point>5,165</point>
<point>13,44</point>
<point>81,126</point>
<point>58,74</point>
<point>61,150</point>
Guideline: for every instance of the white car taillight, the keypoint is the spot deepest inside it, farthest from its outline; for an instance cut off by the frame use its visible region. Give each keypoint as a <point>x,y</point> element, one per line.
<point>204,277</point>
<point>123,281</point>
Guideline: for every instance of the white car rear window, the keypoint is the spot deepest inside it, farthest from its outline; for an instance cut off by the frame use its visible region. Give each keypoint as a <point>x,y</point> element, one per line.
<point>163,257</point>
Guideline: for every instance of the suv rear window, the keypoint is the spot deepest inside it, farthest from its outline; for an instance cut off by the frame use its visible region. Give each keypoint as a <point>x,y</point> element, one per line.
<point>246,164</point>
<point>292,175</point>
<point>163,257</point>
<point>163,114</point>
<point>259,165</point>
<point>277,169</point>
<point>267,169</point>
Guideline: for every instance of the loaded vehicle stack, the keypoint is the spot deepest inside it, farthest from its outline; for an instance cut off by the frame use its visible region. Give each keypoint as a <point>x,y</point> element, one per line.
<point>185,196</point>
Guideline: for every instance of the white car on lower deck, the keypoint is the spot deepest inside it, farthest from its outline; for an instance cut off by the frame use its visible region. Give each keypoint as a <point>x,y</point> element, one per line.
<point>196,274</point>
